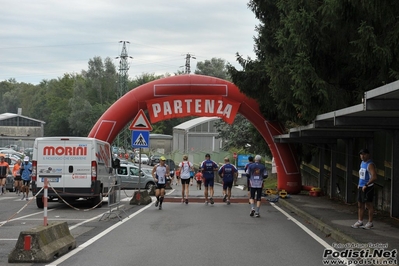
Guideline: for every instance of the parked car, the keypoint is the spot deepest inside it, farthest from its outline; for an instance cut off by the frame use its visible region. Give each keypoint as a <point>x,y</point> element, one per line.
<point>129,175</point>
<point>144,158</point>
<point>172,166</point>
<point>154,159</point>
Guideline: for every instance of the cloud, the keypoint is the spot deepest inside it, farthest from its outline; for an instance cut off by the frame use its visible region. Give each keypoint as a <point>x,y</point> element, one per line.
<point>44,39</point>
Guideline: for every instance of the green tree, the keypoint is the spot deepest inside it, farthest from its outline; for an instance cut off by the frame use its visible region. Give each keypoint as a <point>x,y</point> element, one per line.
<point>101,81</point>
<point>241,135</point>
<point>216,67</point>
<point>80,110</point>
<point>54,108</point>
<point>317,56</point>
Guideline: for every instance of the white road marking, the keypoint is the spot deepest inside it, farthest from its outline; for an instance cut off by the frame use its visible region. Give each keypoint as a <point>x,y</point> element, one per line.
<point>309,232</point>
<point>97,237</point>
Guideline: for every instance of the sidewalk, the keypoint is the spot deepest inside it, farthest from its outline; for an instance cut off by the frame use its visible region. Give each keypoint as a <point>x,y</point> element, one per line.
<point>335,219</point>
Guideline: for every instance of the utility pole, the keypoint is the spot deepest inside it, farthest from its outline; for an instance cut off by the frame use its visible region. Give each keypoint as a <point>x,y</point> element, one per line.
<point>187,65</point>
<point>124,135</point>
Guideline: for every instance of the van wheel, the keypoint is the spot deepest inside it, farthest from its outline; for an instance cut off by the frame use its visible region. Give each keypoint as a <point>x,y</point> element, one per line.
<point>39,203</point>
<point>98,200</point>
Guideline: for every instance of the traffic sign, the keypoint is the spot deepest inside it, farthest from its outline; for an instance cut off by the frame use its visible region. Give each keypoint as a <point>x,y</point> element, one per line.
<point>140,122</point>
<point>140,139</point>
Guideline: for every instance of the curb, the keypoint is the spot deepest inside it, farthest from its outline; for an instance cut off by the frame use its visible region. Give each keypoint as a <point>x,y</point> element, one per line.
<point>320,225</point>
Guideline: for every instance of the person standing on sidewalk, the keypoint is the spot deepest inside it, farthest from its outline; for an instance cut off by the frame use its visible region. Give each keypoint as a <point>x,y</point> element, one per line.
<point>185,167</point>
<point>228,173</point>
<point>26,172</point>
<point>208,169</point>
<point>160,172</point>
<point>4,170</point>
<point>257,172</point>
<point>16,172</point>
<point>250,160</point>
<point>365,189</point>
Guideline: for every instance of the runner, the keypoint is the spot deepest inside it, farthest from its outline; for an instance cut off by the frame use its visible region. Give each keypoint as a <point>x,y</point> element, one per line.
<point>198,177</point>
<point>208,168</point>
<point>250,160</point>
<point>257,172</point>
<point>185,167</point>
<point>26,172</point>
<point>160,173</point>
<point>228,173</point>
<point>17,177</point>
<point>4,170</point>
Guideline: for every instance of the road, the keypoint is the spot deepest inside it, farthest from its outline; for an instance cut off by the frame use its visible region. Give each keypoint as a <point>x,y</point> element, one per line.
<point>180,234</point>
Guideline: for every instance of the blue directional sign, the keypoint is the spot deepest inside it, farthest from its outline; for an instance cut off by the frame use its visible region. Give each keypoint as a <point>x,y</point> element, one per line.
<point>140,139</point>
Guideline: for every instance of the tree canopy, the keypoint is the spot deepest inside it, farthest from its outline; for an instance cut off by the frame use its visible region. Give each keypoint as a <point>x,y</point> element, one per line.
<point>317,56</point>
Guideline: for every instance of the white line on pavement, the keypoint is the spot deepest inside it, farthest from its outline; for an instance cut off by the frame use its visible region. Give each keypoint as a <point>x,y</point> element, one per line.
<point>309,232</point>
<point>97,237</point>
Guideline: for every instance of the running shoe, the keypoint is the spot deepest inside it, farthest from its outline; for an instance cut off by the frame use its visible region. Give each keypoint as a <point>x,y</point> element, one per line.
<point>224,198</point>
<point>23,197</point>
<point>186,201</point>
<point>27,199</point>
<point>252,213</point>
<point>228,202</point>
<point>160,206</point>
<point>368,226</point>
<point>211,200</point>
<point>206,203</point>
<point>257,214</point>
<point>357,224</point>
<point>156,204</point>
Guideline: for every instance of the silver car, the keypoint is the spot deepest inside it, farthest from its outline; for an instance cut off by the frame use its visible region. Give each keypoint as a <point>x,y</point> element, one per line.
<point>129,174</point>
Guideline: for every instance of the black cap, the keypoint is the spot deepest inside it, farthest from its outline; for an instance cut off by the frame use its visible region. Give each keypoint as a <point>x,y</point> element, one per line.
<point>364,151</point>
<point>207,155</point>
<point>250,158</point>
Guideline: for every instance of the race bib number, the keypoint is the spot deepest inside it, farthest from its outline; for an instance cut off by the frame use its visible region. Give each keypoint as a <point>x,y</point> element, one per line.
<point>161,180</point>
<point>362,173</point>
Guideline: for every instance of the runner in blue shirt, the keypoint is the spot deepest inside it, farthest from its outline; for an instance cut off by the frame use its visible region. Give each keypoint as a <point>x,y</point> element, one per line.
<point>228,172</point>
<point>250,160</point>
<point>208,168</point>
<point>257,172</point>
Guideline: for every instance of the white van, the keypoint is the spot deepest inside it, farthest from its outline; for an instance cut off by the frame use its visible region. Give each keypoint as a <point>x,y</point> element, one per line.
<point>75,167</point>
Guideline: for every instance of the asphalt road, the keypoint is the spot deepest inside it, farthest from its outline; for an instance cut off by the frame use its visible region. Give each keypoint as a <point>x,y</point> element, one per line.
<point>180,234</point>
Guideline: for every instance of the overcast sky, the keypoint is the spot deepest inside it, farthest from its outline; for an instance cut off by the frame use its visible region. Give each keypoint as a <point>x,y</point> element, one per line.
<point>43,39</point>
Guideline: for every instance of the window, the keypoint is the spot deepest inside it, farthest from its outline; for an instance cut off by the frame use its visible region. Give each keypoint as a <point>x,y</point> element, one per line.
<point>122,171</point>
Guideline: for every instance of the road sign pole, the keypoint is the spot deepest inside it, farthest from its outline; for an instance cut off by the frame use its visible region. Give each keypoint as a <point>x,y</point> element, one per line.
<point>139,169</point>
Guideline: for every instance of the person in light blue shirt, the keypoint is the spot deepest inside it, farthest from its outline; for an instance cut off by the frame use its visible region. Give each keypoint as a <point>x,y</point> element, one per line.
<point>26,172</point>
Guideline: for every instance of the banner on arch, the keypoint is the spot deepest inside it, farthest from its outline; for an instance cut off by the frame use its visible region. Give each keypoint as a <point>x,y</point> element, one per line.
<point>192,105</point>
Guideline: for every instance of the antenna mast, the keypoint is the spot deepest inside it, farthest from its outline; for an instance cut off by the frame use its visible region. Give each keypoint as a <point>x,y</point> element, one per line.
<point>124,136</point>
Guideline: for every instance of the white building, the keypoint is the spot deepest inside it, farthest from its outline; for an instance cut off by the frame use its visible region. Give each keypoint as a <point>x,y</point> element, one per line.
<point>197,135</point>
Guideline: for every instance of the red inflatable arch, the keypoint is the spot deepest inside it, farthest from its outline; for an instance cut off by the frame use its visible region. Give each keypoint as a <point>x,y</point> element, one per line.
<point>198,95</point>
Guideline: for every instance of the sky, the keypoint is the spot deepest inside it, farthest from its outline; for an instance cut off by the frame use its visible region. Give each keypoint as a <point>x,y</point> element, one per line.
<point>43,39</point>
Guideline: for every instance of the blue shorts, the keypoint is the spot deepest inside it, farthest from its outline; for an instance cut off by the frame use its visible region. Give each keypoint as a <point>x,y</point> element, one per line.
<point>209,182</point>
<point>228,184</point>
